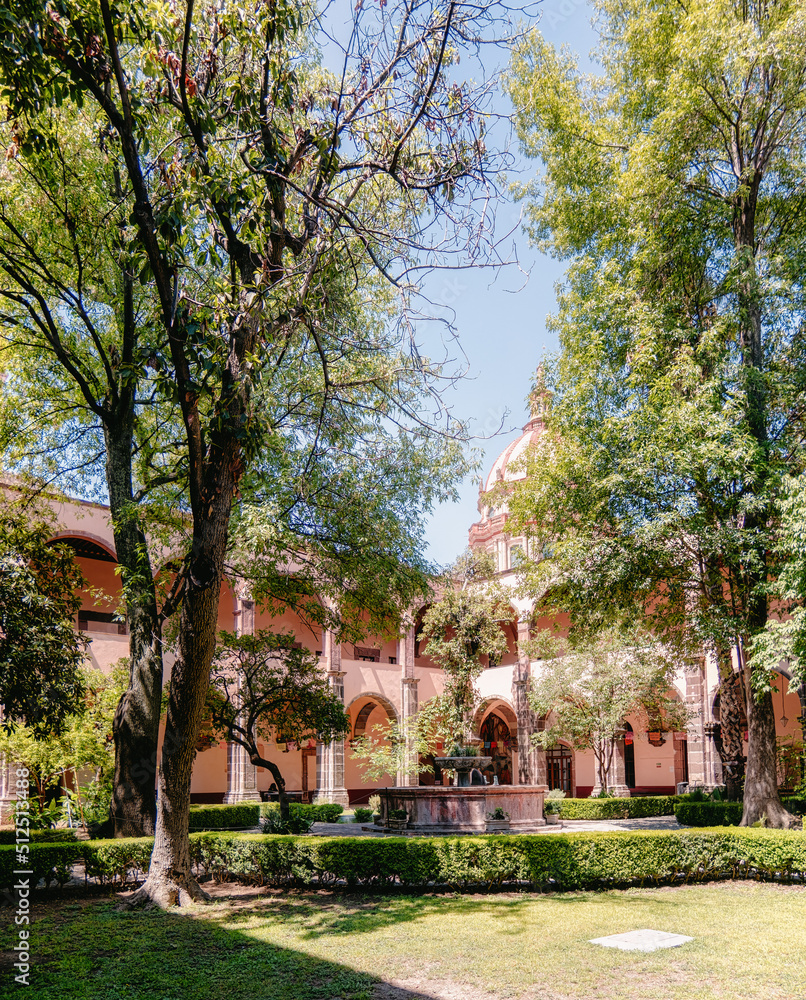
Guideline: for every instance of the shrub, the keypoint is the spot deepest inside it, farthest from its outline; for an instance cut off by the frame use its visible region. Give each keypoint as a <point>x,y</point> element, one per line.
<point>46,861</point>
<point>581,860</point>
<point>693,813</point>
<point>121,860</point>
<point>38,836</point>
<point>241,816</point>
<point>570,861</point>
<point>321,812</point>
<point>611,808</point>
<point>362,815</point>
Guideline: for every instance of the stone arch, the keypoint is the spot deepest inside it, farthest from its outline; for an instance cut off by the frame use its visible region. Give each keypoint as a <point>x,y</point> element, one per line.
<point>87,545</point>
<point>497,726</point>
<point>374,701</point>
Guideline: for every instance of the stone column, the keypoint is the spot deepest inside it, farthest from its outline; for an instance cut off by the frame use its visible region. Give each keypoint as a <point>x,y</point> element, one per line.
<point>409,701</point>
<point>704,765</point>
<point>241,772</point>
<point>330,756</point>
<point>531,760</point>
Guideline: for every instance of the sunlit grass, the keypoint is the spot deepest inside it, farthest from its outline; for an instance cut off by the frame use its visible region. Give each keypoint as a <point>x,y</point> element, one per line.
<point>319,946</point>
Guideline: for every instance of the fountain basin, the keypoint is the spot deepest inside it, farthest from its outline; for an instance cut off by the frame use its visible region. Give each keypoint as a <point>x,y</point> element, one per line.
<point>451,809</point>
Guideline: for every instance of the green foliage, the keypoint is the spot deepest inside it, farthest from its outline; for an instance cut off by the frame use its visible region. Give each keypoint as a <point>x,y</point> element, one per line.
<point>587,691</point>
<point>618,808</point>
<point>40,651</point>
<point>84,740</point>
<point>565,861</point>
<point>675,427</point>
<point>708,813</point>
<point>45,836</point>
<point>46,861</point>
<point>362,815</point>
<point>242,815</point>
<point>460,628</point>
<point>319,812</point>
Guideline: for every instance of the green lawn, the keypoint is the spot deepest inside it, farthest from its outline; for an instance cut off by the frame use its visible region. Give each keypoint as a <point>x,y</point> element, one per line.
<point>258,945</point>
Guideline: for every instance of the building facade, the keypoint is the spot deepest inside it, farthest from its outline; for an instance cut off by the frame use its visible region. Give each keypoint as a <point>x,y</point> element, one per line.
<point>386,679</point>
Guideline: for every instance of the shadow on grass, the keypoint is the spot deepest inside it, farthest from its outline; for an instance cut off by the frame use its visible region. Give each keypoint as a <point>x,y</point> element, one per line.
<point>84,949</point>
<point>344,914</point>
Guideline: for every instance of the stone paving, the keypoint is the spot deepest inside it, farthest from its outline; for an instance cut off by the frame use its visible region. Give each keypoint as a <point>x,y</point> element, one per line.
<point>346,829</point>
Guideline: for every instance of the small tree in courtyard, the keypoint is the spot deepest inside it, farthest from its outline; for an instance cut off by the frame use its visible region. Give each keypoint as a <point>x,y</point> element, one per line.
<point>264,688</point>
<point>463,627</point>
<point>587,692</point>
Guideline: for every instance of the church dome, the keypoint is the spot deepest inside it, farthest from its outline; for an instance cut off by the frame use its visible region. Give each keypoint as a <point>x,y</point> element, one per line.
<point>509,467</point>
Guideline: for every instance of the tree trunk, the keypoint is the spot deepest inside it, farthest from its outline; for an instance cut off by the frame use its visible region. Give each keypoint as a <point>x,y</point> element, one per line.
<point>136,723</point>
<point>761,780</point>
<point>761,798</point>
<point>731,745</point>
<point>170,879</point>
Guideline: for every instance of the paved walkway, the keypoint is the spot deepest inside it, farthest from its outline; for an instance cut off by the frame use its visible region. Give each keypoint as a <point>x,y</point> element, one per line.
<point>567,826</point>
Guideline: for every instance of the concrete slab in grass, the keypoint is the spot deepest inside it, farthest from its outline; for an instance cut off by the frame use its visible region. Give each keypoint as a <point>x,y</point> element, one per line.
<point>644,940</point>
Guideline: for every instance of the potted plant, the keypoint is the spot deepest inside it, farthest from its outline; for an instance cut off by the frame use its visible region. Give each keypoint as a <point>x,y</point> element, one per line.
<point>497,821</point>
<point>374,802</point>
<point>397,819</point>
<point>552,805</point>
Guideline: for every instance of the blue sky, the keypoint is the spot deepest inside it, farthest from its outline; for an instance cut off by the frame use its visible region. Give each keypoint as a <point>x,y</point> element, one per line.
<point>502,325</point>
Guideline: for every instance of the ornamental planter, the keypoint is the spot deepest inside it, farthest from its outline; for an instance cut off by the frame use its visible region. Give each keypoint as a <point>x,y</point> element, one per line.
<point>497,826</point>
<point>553,819</point>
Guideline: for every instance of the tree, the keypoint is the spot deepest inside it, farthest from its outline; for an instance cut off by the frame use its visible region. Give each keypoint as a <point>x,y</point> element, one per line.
<point>41,653</point>
<point>587,692</point>
<point>83,741</point>
<point>78,404</point>
<point>460,628</point>
<point>301,190</point>
<point>264,688</point>
<point>673,185</point>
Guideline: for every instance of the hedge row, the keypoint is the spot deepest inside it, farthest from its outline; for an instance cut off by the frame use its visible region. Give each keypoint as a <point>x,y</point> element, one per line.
<point>39,836</point>
<point>634,808</point>
<point>247,815</point>
<point>571,861</point>
<point>562,862</point>
<point>243,815</point>
<point>724,813</point>
<point>321,812</point>
<point>708,813</point>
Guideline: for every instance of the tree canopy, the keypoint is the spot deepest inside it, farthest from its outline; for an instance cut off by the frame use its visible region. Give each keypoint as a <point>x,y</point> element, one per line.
<point>587,691</point>
<point>280,215</point>
<point>673,185</point>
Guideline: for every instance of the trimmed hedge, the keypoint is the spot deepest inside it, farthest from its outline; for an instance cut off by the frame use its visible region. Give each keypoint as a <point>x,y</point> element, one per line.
<point>572,861</point>
<point>690,813</point>
<point>247,815</point>
<point>561,861</point>
<point>38,836</point>
<point>321,812</point>
<point>243,815</point>
<point>634,808</point>
<point>48,861</point>
<point>708,813</point>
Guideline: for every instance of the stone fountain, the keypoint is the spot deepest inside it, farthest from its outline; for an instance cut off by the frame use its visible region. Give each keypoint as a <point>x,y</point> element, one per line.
<point>464,807</point>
